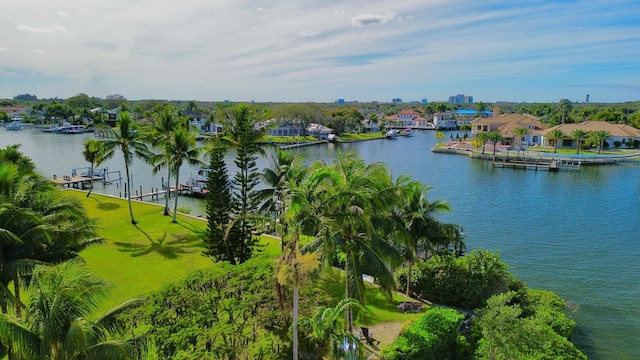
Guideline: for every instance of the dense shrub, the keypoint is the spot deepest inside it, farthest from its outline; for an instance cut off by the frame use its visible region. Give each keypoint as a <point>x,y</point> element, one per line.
<point>466,281</point>
<point>435,335</point>
<point>527,324</point>
<point>226,312</point>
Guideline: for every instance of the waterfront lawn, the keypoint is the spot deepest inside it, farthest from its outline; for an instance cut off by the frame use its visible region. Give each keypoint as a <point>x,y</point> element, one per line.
<point>572,151</point>
<point>349,137</point>
<point>140,259</point>
<point>290,139</point>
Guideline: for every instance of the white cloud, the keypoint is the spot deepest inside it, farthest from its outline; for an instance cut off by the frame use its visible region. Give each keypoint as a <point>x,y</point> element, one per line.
<point>3,49</point>
<point>40,52</point>
<point>42,30</point>
<point>223,49</point>
<point>309,33</point>
<point>371,19</point>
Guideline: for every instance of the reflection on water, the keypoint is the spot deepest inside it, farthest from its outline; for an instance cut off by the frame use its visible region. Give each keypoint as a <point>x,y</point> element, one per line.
<point>575,233</point>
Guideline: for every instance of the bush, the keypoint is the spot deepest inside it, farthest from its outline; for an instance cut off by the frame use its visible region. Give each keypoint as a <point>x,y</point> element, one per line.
<point>223,312</point>
<point>466,281</point>
<point>435,335</point>
<point>524,324</point>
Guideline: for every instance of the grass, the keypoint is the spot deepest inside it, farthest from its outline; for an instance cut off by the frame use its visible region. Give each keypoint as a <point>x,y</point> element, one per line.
<point>290,139</point>
<point>545,149</point>
<point>347,137</point>
<point>142,258</point>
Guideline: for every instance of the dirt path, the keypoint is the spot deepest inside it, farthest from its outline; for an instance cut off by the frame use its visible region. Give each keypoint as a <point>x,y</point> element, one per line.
<point>384,334</point>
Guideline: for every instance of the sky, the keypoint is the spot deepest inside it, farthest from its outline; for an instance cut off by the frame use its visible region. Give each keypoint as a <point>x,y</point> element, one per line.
<point>322,50</point>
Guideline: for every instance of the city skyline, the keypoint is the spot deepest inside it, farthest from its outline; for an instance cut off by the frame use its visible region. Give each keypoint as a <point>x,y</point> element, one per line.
<point>535,51</point>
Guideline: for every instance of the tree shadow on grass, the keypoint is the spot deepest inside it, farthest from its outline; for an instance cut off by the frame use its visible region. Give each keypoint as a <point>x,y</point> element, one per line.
<point>106,206</point>
<point>180,244</point>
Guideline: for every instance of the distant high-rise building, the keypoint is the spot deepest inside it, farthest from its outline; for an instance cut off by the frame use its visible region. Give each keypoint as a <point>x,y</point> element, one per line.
<point>424,101</point>
<point>396,100</point>
<point>460,99</point>
<point>340,101</point>
<point>587,99</point>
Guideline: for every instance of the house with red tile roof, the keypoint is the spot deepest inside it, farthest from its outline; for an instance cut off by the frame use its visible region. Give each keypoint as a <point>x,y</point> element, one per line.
<point>617,132</point>
<point>506,124</point>
<point>407,119</point>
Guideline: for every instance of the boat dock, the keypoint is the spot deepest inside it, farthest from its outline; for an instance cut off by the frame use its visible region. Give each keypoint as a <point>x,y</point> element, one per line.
<point>529,164</point>
<point>76,182</point>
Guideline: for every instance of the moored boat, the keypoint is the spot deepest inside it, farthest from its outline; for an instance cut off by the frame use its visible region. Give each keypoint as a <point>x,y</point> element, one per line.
<point>393,133</point>
<point>407,132</point>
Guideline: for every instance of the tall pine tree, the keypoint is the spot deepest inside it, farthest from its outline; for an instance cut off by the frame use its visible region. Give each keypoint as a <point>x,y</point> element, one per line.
<point>219,209</point>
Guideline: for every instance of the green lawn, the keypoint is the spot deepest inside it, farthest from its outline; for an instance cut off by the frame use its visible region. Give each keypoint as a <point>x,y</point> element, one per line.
<point>347,137</point>
<point>140,259</point>
<point>614,151</point>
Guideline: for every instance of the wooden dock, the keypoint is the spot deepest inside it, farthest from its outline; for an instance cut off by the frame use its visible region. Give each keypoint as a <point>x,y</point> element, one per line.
<point>76,182</point>
<point>528,164</point>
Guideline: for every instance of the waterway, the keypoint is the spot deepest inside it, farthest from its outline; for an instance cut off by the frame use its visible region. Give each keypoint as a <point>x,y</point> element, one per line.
<point>576,233</point>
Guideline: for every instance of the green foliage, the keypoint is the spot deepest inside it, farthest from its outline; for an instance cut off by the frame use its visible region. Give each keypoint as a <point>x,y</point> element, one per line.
<point>11,154</point>
<point>523,326</point>
<point>466,281</point>
<point>218,209</point>
<point>226,312</point>
<point>435,335</point>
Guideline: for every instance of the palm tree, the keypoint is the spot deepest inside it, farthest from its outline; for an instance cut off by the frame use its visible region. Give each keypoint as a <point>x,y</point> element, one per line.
<point>350,199</point>
<point>37,225</point>
<point>520,132</point>
<point>598,137</point>
<point>91,153</point>
<point>182,148</point>
<point>556,135</point>
<point>327,327</point>
<point>579,135</point>
<point>495,137</point>
<point>416,221</point>
<point>480,108</point>
<point>130,141</point>
<point>284,165</point>
<point>483,137</point>
<point>57,325</point>
<point>293,266</point>
<point>159,135</point>
<point>565,107</point>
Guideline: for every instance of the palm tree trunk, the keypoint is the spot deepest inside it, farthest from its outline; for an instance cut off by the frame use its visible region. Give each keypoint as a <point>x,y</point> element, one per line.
<point>90,175</point>
<point>409,279</point>
<point>175,206</point>
<point>347,294</point>
<point>126,168</point>
<point>16,293</point>
<point>167,195</point>
<point>296,296</point>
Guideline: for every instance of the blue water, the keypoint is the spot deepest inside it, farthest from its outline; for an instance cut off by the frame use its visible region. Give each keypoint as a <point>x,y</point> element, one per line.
<point>575,233</point>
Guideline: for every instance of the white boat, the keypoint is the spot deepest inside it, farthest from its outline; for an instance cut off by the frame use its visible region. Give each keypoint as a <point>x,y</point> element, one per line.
<point>407,132</point>
<point>14,125</point>
<point>393,133</point>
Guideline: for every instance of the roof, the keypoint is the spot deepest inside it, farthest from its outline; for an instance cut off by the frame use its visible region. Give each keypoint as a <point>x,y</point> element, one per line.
<point>408,112</point>
<point>507,123</point>
<point>616,130</point>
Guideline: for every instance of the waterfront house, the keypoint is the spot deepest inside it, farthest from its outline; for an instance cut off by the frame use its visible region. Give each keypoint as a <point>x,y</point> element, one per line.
<point>444,121</point>
<point>618,132</point>
<point>407,119</point>
<point>505,124</point>
<point>201,123</point>
<point>319,131</point>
